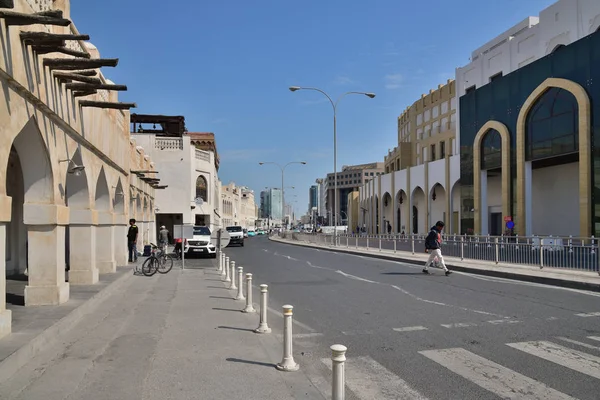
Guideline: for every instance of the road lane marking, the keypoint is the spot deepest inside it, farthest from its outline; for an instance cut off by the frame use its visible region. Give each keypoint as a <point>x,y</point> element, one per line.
<point>502,381</point>
<point>301,335</point>
<point>369,380</point>
<point>594,338</point>
<point>294,320</point>
<point>352,333</point>
<point>503,321</point>
<point>357,278</point>
<point>410,329</point>
<point>459,325</point>
<point>587,346</point>
<point>576,360</point>
<point>587,315</point>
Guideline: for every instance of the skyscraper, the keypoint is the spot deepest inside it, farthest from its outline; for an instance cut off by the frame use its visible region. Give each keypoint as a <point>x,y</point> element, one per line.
<point>313,197</point>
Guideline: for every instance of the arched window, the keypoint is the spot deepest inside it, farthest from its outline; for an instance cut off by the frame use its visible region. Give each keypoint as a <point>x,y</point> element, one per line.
<point>551,128</point>
<point>201,188</point>
<point>491,150</point>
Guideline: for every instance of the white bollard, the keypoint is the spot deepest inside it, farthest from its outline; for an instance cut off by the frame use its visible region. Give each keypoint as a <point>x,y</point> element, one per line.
<point>263,327</point>
<point>338,383</point>
<point>287,363</point>
<point>249,307</point>
<point>227,278</point>
<point>222,264</point>
<point>232,285</point>
<point>240,293</point>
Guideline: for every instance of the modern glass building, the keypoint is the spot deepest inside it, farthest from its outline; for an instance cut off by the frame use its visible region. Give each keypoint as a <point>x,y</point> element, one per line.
<point>528,139</point>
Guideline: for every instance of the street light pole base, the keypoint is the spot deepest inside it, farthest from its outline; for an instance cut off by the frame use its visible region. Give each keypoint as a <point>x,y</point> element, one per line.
<point>288,366</point>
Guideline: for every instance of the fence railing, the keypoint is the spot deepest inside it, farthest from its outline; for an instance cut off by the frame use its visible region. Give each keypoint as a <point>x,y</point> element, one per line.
<point>552,252</point>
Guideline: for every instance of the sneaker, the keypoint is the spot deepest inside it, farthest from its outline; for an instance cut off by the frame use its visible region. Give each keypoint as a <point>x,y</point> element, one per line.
<point>448,272</point>
<point>425,271</point>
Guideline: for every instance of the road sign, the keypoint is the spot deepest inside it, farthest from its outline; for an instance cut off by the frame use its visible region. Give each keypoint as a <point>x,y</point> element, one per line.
<point>508,218</point>
<point>510,224</point>
<point>183,231</point>
<point>225,238</point>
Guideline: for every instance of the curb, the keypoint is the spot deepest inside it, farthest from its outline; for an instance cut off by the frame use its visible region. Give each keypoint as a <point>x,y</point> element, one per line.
<point>593,287</point>
<point>11,364</point>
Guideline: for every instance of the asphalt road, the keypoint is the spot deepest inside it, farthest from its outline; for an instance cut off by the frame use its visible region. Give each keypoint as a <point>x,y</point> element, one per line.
<point>412,336</point>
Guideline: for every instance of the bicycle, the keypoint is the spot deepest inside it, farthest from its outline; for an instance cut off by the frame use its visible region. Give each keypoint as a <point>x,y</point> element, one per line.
<point>158,261</point>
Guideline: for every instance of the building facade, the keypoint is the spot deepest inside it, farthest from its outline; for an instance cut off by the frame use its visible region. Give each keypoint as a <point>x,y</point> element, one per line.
<point>350,179</point>
<point>192,195</point>
<point>313,197</point>
<point>420,185</point>
<point>238,206</point>
<point>528,106</point>
<point>271,205</point>
<point>322,203</point>
<point>66,188</point>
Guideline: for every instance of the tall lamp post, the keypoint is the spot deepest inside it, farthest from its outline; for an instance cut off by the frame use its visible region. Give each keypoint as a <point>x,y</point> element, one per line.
<point>282,168</point>
<point>334,105</point>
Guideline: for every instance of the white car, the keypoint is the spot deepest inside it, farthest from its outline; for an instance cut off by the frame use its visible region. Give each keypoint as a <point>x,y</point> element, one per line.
<point>236,234</point>
<point>201,243</point>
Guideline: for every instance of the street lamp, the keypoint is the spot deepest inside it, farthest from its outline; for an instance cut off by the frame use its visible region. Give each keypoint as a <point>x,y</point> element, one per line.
<point>334,105</point>
<point>282,186</point>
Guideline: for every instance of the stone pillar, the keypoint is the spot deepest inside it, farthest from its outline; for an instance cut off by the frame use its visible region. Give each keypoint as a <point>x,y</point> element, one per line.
<point>82,247</point>
<point>5,315</point>
<point>105,243</point>
<point>120,239</point>
<point>46,266</point>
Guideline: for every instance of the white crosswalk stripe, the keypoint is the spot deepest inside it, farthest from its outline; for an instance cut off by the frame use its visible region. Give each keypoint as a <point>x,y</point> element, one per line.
<point>368,379</point>
<point>573,359</point>
<point>493,377</point>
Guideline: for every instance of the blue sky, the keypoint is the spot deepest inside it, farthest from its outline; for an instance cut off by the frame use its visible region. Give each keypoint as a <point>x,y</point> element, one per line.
<point>226,65</point>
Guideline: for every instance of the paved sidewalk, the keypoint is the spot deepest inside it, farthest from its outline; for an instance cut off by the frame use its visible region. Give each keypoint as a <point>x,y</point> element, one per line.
<point>550,276</point>
<point>175,336</point>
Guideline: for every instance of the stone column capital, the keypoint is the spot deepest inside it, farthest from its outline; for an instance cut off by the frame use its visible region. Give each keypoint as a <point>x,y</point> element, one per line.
<point>5,208</point>
<point>120,219</point>
<point>45,214</point>
<point>83,217</point>
<point>106,218</point>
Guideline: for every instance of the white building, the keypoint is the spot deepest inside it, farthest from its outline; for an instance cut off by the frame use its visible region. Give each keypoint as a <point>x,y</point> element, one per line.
<point>322,203</point>
<point>238,205</point>
<point>191,174</point>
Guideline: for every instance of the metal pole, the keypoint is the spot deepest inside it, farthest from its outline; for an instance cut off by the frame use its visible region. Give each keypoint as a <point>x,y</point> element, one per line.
<point>282,198</point>
<point>183,240</point>
<point>335,182</point>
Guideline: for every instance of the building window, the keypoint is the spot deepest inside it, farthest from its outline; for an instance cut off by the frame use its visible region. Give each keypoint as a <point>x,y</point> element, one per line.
<point>201,188</point>
<point>432,155</point>
<point>442,149</point>
<point>551,127</point>
<point>491,150</point>
<point>496,77</point>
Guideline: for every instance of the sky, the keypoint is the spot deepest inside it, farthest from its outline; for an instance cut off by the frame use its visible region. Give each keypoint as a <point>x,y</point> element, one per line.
<point>226,65</point>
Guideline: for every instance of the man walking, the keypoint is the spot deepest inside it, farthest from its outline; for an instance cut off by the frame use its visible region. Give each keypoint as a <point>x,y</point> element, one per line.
<point>163,238</point>
<point>132,235</point>
<point>433,246</point>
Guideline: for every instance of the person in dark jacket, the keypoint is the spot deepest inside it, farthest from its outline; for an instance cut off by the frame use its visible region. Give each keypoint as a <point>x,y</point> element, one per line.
<point>433,246</point>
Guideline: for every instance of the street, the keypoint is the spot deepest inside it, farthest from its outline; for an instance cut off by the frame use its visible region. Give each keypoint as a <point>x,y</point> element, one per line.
<point>432,337</point>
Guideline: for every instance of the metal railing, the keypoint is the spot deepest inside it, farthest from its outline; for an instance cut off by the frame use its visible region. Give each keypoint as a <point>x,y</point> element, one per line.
<point>571,253</point>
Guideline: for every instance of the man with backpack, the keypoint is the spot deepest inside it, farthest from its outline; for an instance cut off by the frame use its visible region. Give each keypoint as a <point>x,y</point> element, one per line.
<point>433,246</point>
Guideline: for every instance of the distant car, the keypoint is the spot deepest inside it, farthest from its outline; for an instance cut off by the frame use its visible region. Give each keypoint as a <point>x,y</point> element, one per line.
<point>245,233</point>
<point>251,232</point>
<point>201,243</point>
<point>236,234</point>
<point>260,232</point>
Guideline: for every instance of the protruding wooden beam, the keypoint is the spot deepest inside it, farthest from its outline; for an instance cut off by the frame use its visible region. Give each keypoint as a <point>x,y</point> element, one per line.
<point>44,37</point>
<point>59,49</point>
<point>159,186</point>
<point>86,72</point>
<point>71,64</point>
<point>76,77</point>
<point>92,86</point>
<point>43,18</point>
<point>84,93</point>
<point>7,4</point>
<point>105,104</point>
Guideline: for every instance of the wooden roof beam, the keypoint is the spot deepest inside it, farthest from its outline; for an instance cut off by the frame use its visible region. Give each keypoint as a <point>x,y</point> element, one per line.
<point>59,49</point>
<point>86,72</point>
<point>105,104</point>
<point>44,37</point>
<point>7,4</point>
<point>71,64</point>
<point>94,86</point>
<point>53,17</point>
<point>83,93</point>
<point>76,77</point>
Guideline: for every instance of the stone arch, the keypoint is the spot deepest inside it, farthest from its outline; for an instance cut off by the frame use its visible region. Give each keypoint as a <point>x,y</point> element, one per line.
<point>502,130</point>
<point>76,188</point>
<point>584,129</point>
<point>119,198</point>
<point>202,188</point>
<point>401,211</point>
<point>387,206</point>
<point>557,47</point>
<point>102,194</point>
<point>437,206</point>
<point>557,43</point>
<point>418,212</point>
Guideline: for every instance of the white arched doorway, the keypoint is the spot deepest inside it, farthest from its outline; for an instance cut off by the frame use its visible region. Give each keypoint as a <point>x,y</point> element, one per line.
<point>437,204</point>
<point>401,212</point>
<point>120,218</point>
<point>387,213</point>
<point>105,234</point>
<point>419,210</point>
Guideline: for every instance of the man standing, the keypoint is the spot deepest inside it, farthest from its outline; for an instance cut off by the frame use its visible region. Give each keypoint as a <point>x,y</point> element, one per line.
<point>433,246</point>
<point>132,235</point>
<point>163,237</point>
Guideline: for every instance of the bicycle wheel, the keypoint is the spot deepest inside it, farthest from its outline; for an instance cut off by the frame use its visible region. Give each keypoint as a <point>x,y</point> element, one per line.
<point>149,267</point>
<point>165,264</point>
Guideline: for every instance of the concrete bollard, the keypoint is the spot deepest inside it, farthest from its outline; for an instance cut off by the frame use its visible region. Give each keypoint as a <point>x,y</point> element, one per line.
<point>240,293</point>
<point>263,327</point>
<point>287,363</point>
<point>223,264</point>
<point>227,278</point>
<point>249,307</point>
<point>338,383</point>
<point>232,285</point>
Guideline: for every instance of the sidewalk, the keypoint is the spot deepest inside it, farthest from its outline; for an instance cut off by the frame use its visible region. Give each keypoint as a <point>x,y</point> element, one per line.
<point>549,276</point>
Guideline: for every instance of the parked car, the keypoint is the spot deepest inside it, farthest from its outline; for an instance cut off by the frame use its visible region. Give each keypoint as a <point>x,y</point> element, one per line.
<point>201,243</point>
<point>245,233</point>
<point>236,234</point>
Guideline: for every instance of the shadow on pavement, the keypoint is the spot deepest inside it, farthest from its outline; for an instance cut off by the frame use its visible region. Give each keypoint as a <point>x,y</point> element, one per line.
<point>226,309</point>
<point>264,364</point>
<point>236,329</point>
<point>221,297</point>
